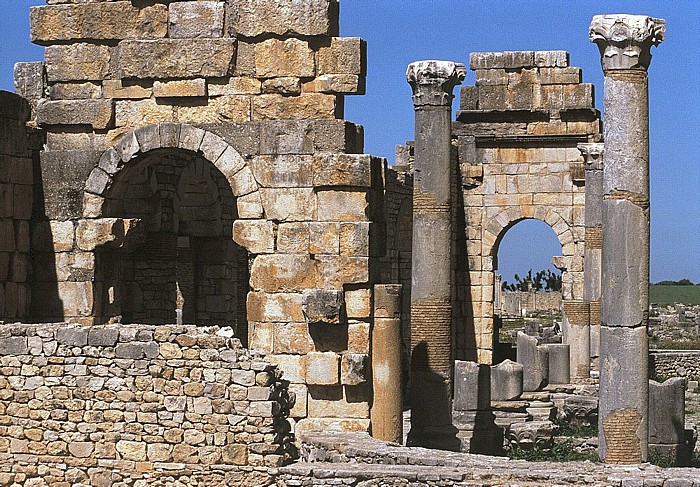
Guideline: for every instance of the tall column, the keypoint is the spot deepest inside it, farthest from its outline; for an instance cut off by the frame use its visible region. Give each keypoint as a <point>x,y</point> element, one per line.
<point>593,156</point>
<point>625,45</point>
<point>431,282</point>
<point>387,406</point>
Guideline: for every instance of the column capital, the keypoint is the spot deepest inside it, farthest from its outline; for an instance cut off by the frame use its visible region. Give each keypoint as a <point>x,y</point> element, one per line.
<point>592,153</point>
<point>625,40</point>
<point>433,82</point>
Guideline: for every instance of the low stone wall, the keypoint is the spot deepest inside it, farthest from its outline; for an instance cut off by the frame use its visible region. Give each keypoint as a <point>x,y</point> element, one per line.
<point>664,364</point>
<point>515,302</point>
<point>119,403</point>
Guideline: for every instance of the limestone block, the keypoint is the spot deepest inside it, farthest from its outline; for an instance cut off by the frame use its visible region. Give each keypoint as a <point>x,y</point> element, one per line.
<point>506,381</point>
<point>345,55</point>
<point>54,235</point>
<point>13,346</point>
<point>98,21</point>
<point>358,303</point>
<point>322,368</point>
<point>30,80</point>
<point>324,238</point>
<point>287,85</point>
<point>274,307</point>
<point>354,239</point>
<point>292,338</point>
<point>307,106</point>
<point>559,367</point>
<point>290,57</point>
<point>667,411</point>
<point>293,367</point>
<point>337,271</point>
<point>310,137</point>
<point>250,205</point>
<point>358,337</point>
<point>237,85</point>
<point>354,368</point>
<point>136,113</point>
<point>346,206</point>
<point>284,272</point>
<point>300,392</point>
<point>114,88</point>
<point>260,336</point>
<point>535,362</point>
<point>341,84</point>
<point>257,236</point>
<point>196,19</point>
<point>76,298</point>
<point>289,204</point>
<point>176,58</point>
<point>90,234</point>
<point>229,108</point>
<point>97,113</point>
<point>63,175</point>
<point>77,62</point>
<point>334,402</point>
<point>283,171</point>
<point>180,88</point>
<point>75,91</point>
<point>344,170</point>
<point>323,306</point>
<point>293,238</point>
<point>547,59</point>
<point>551,76</point>
<point>309,18</point>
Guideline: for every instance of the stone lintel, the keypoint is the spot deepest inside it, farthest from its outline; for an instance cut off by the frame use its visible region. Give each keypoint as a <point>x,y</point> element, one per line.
<point>592,153</point>
<point>625,40</point>
<point>433,82</point>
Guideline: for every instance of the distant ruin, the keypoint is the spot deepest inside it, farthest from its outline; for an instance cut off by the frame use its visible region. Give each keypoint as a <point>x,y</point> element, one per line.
<point>201,272</point>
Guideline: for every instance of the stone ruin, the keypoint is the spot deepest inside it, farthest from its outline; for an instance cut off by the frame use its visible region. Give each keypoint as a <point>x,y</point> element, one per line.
<point>199,265</point>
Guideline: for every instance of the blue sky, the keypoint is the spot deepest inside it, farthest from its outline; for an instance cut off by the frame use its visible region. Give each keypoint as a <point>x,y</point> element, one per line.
<point>399,32</point>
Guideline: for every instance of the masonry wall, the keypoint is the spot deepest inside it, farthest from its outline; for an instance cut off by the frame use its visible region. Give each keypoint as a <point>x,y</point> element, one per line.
<point>517,132</point>
<point>16,195</point>
<point>110,404</point>
<point>665,364</point>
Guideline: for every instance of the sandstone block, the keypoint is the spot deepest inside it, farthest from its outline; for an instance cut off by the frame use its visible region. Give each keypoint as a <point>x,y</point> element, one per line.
<point>135,113</point>
<point>354,369</point>
<point>341,84</point>
<point>235,454</point>
<point>97,113</point>
<point>307,106</point>
<point>282,86</point>
<point>344,170</point>
<point>354,239</point>
<point>323,306</point>
<point>290,57</point>
<point>56,235</point>
<point>260,336</point>
<point>81,449</point>
<point>358,303</point>
<point>94,233</point>
<point>185,454</point>
<point>283,272</point>
<point>196,19</point>
<point>309,137</point>
<point>63,175</point>
<point>159,452</point>
<point>345,206</point>
<point>289,204</point>
<point>30,80</point>
<point>300,392</point>
<point>75,91</point>
<point>176,58</point>
<point>99,21</point>
<point>272,307</point>
<point>292,366</point>
<point>180,88</point>
<point>115,88</point>
<point>546,59</point>
<point>345,55</point>
<point>13,346</point>
<point>322,368</point>
<point>309,18</point>
<point>132,450</point>
<point>238,85</point>
<point>250,205</point>
<point>76,62</point>
<point>283,171</point>
<point>337,271</point>
<point>336,402</point>
<point>257,236</point>
<point>293,238</point>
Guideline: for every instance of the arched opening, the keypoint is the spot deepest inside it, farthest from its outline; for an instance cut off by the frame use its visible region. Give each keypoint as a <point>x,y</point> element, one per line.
<point>182,266</point>
<point>527,287</point>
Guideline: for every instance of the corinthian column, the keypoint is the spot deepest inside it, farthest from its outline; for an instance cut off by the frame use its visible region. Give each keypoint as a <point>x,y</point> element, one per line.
<point>625,46</point>
<point>593,156</point>
<point>431,282</point>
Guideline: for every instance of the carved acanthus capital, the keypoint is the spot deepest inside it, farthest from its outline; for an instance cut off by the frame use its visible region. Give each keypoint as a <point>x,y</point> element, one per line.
<point>434,81</point>
<point>592,153</point>
<point>625,40</point>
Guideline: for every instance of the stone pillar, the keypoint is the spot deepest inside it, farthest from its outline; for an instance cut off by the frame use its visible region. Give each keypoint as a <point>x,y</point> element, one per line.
<point>625,44</point>
<point>387,410</point>
<point>593,156</point>
<point>431,282</point>
<point>577,335</point>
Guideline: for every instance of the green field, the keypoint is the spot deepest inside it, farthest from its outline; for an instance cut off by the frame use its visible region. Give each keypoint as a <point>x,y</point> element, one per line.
<point>661,294</point>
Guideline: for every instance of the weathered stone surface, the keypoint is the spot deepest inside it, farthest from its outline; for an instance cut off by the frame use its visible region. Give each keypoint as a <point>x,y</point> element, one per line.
<point>114,88</point>
<point>342,84</point>
<point>283,171</point>
<point>180,88</point>
<point>354,368</point>
<point>358,303</point>
<point>472,386</point>
<point>323,306</point>
<point>534,359</point>
<point>176,58</point>
<point>342,206</point>
<point>274,273</point>
<point>345,55</point>
<point>313,18</point>
<point>288,85</point>
<point>75,91</point>
<point>75,62</point>
<point>506,381</point>
<point>98,114</point>
<point>291,57</point>
<point>559,363</point>
<point>307,106</point>
<point>196,19</point>
<point>273,307</point>
<point>257,236</point>
<point>100,21</point>
<point>323,368</point>
<point>667,411</point>
<point>289,204</point>
<point>30,80</point>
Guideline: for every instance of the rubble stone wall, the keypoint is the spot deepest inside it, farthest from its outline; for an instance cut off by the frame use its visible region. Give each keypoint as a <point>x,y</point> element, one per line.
<point>105,404</point>
<point>16,193</point>
<point>664,364</point>
<point>513,302</point>
<point>517,133</point>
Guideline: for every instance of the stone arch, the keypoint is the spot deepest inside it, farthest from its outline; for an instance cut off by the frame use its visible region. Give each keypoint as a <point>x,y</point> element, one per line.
<point>170,136</point>
<point>195,255</point>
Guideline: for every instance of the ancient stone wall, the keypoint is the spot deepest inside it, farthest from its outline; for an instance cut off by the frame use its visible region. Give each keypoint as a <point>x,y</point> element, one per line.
<point>197,170</point>
<point>110,404</point>
<point>516,302</point>
<point>16,195</point>
<point>517,132</point>
<point>665,364</point>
